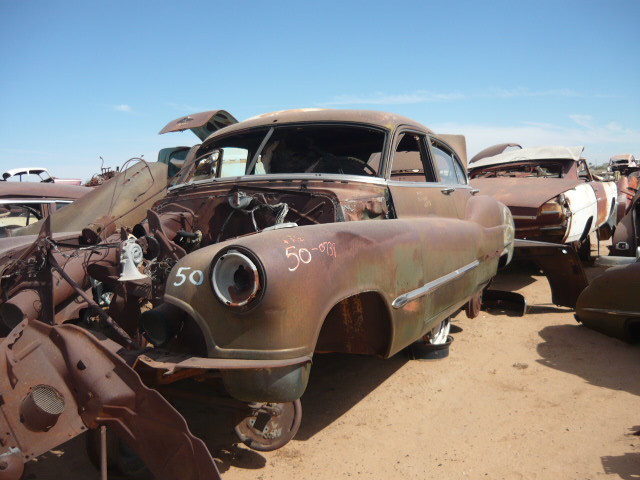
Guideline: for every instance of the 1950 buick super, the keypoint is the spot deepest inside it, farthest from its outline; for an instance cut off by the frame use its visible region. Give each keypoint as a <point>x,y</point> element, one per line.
<point>317,277</point>
<point>289,234</point>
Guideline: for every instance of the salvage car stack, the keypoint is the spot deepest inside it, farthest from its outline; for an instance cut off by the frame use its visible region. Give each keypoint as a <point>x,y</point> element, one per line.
<point>281,237</point>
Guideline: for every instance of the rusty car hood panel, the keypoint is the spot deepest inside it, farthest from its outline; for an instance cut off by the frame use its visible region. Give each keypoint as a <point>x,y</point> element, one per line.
<point>524,192</point>
<point>122,200</point>
<point>202,124</point>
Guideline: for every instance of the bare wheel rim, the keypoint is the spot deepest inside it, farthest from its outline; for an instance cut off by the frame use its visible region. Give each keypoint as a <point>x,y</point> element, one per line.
<point>262,432</point>
<point>440,334</point>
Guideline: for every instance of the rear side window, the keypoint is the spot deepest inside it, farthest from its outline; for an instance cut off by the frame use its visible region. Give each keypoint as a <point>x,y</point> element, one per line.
<point>409,159</point>
<point>449,169</point>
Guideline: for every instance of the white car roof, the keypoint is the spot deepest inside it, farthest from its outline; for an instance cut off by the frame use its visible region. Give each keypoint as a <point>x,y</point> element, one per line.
<point>531,154</point>
<point>25,171</point>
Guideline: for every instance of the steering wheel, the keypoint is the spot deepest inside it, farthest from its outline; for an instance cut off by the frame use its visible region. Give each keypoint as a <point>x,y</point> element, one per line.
<point>363,164</point>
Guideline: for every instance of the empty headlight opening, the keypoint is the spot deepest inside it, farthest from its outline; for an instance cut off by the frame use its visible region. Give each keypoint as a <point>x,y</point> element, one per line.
<point>237,278</point>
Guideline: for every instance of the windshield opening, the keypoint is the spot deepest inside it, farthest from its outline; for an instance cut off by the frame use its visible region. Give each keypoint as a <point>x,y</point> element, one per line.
<point>330,149</point>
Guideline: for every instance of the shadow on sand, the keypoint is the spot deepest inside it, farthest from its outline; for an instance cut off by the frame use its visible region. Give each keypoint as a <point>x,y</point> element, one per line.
<point>624,466</point>
<point>338,382</point>
<point>598,359</point>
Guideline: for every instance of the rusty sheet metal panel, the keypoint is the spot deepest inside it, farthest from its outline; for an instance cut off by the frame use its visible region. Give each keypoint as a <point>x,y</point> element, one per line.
<point>59,381</point>
<point>561,266</point>
<point>610,303</point>
<point>41,190</point>
<point>121,201</point>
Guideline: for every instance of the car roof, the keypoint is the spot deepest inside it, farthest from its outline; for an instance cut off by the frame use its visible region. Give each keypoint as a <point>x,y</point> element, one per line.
<point>623,156</point>
<point>531,154</point>
<point>41,190</point>
<point>384,120</point>
<point>25,171</point>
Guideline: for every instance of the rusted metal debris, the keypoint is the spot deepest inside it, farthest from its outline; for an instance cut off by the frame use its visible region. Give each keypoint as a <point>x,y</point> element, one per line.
<point>610,303</point>
<point>560,264</point>
<point>289,234</point>
<point>626,238</point>
<point>61,380</point>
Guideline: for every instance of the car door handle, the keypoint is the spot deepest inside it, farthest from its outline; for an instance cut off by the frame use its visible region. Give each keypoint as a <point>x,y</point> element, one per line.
<point>448,190</point>
<point>474,191</point>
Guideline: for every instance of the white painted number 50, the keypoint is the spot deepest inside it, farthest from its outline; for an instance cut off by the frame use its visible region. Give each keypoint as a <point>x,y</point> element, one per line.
<point>196,277</point>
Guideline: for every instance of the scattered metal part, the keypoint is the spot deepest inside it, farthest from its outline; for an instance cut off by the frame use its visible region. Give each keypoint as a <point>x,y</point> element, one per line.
<point>46,364</point>
<point>610,303</point>
<point>269,426</point>
<point>561,266</point>
<point>503,300</point>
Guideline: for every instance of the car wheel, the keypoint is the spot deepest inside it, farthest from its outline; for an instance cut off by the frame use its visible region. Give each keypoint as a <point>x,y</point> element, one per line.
<point>434,345</point>
<point>474,305</point>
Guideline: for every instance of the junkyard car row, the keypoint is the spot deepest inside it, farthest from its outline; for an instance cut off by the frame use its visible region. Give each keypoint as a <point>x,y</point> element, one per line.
<point>233,262</point>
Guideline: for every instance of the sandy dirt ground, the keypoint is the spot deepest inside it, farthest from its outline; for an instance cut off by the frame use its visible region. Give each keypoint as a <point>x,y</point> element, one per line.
<point>532,397</point>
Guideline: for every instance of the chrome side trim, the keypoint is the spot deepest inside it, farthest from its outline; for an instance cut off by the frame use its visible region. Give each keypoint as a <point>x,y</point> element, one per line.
<point>524,217</point>
<point>402,300</point>
<point>620,313</point>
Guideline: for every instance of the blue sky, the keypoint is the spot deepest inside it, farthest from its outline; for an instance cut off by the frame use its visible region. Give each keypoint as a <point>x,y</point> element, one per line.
<point>87,79</point>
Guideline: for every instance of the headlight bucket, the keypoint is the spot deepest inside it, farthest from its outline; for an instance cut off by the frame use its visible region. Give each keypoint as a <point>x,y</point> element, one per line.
<point>237,278</point>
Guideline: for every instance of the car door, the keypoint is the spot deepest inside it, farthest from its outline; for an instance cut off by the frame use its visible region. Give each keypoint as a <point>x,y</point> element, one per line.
<point>413,183</point>
<point>418,189</point>
<point>451,175</point>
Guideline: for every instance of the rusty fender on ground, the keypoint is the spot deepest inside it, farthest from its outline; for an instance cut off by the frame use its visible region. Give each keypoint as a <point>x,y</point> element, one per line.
<point>560,265</point>
<point>610,304</point>
<point>57,381</point>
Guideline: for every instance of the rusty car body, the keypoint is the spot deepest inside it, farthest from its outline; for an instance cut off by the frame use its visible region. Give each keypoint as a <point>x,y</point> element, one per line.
<point>626,238</point>
<point>23,204</point>
<point>609,304</point>
<point>550,191</point>
<point>283,236</point>
<point>304,180</point>
<point>623,163</point>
